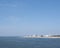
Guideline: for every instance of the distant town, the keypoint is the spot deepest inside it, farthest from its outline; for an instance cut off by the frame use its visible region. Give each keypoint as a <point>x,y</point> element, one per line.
<point>42,36</point>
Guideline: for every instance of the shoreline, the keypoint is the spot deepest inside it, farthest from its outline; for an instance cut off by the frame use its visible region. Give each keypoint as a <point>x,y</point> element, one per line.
<point>54,37</point>
<point>41,37</point>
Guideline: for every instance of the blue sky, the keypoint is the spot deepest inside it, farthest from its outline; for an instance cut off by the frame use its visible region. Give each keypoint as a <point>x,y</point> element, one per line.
<point>27,17</point>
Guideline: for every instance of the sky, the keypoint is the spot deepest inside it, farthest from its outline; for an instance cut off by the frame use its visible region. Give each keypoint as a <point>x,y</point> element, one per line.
<point>28,17</point>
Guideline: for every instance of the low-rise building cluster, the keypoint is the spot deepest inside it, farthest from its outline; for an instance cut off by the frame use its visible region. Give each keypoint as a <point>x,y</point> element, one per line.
<point>42,36</point>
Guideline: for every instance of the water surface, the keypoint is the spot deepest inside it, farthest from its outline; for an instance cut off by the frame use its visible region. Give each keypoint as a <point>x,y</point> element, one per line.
<point>17,42</point>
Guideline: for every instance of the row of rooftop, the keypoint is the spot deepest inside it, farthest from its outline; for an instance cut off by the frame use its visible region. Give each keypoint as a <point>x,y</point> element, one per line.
<point>42,36</point>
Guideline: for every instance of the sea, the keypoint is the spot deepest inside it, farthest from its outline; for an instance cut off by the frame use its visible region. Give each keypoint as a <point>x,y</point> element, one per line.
<point>18,42</point>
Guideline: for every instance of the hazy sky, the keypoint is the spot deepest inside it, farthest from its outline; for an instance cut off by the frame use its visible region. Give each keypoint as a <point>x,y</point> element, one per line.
<point>24,17</point>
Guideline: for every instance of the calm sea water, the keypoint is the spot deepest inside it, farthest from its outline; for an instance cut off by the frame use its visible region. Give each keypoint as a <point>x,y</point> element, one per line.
<point>15,42</point>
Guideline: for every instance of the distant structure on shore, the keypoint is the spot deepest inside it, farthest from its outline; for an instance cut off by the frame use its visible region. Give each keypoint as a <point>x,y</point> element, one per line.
<point>42,36</point>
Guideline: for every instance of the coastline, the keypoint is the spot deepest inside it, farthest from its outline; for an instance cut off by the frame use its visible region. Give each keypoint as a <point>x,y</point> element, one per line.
<point>42,36</point>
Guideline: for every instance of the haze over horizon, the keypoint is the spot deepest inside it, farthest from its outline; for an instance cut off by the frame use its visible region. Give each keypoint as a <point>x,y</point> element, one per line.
<point>27,17</point>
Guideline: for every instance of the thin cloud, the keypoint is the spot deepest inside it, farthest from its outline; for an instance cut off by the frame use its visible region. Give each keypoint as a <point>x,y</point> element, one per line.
<point>14,19</point>
<point>8,5</point>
